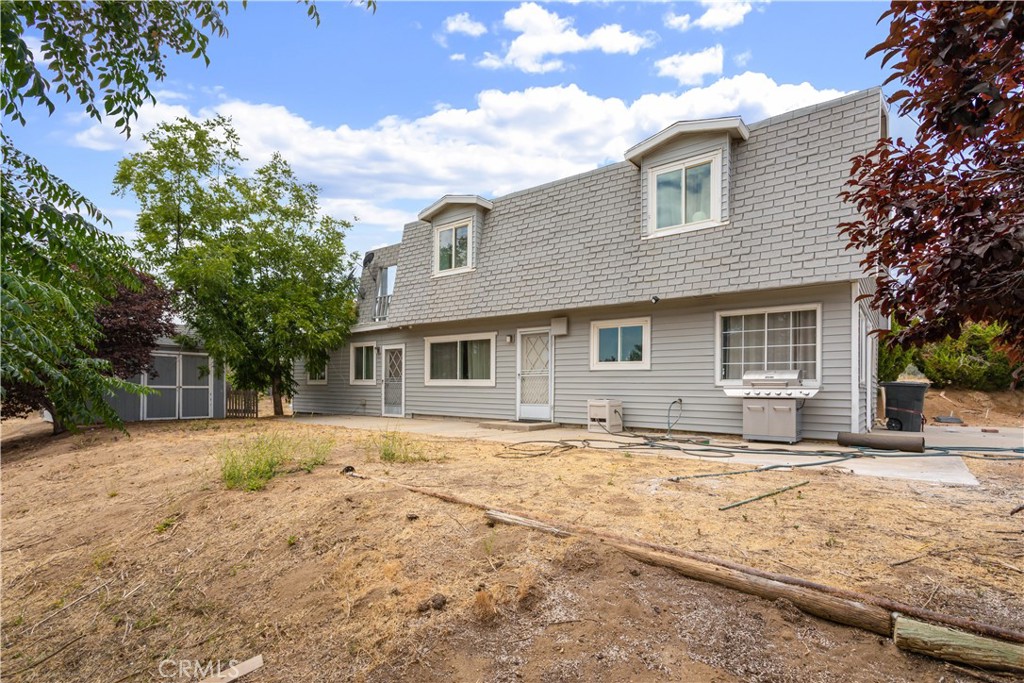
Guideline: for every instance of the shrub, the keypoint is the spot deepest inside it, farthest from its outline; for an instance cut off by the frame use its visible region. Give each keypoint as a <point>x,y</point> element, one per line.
<point>892,360</point>
<point>970,361</point>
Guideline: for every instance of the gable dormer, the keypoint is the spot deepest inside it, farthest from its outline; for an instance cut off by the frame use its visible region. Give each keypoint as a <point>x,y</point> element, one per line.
<point>456,221</point>
<point>685,175</point>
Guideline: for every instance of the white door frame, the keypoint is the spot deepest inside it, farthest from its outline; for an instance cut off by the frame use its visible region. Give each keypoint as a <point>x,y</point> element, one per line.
<point>209,386</point>
<point>175,384</point>
<point>551,370</point>
<point>384,376</point>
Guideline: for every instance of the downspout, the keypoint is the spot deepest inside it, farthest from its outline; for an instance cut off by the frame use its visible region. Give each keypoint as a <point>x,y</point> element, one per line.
<point>855,426</point>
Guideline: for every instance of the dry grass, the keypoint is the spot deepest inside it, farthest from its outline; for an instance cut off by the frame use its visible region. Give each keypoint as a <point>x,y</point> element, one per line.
<point>324,574</point>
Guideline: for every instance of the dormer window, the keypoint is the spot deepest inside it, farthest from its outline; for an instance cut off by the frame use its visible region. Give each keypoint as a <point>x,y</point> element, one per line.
<point>686,195</point>
<point>453,248</point>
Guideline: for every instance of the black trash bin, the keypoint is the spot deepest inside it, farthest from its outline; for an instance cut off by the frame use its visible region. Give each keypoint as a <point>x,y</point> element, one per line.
<point>904,406</point>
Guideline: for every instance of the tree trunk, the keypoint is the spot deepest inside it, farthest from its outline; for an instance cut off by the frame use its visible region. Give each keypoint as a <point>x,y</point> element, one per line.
<point>58,426</point>
<point>275,391</point>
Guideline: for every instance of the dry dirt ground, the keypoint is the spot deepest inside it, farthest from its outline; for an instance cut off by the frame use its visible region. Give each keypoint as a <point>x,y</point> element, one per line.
<point>976,408</point>
<point>124,558</point>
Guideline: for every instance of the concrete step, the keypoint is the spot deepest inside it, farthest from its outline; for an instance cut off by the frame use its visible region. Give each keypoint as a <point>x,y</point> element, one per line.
<point>513,426</point>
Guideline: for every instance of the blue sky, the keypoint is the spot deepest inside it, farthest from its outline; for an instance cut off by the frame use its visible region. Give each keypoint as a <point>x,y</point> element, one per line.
<point>389,111</point>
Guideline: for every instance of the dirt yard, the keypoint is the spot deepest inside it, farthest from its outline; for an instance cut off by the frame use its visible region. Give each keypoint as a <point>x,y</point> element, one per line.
<point>976,408</point>
<point>125,559</point>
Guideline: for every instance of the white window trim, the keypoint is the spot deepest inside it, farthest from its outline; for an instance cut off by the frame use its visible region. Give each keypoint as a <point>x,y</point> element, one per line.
<point>816,307</point>
<point>436,257</point>
<point>427,341</point>
<point>596,325</point>
<point>714,221</point>
<point>310,380</point>
<point>352,364</point>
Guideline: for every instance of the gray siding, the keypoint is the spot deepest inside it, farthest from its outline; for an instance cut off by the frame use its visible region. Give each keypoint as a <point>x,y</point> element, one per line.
<point>576,243</point>
<point>127,406</point>
<point>682,366</point>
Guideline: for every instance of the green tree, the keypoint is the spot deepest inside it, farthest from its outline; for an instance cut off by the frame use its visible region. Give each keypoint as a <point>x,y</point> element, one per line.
<point>58,265</point>
<point>260,275</point>
<point>942,215</point>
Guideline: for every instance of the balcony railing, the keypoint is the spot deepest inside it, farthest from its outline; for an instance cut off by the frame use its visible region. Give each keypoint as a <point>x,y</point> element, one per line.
<point>380,308</point>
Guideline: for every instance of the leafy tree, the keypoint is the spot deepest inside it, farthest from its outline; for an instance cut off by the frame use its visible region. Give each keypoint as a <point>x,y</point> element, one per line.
<point>57,264</point>
<point>260,276</point>
<point>129,326</point>
<point>131,323</point>
<point>943,214</point>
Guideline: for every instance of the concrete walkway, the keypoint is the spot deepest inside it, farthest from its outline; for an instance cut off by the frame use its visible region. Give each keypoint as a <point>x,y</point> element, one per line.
<point>940,470</point>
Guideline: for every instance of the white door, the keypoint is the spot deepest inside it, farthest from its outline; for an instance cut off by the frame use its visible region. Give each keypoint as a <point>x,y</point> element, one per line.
<point>534,387</point>
<point>393,391</point>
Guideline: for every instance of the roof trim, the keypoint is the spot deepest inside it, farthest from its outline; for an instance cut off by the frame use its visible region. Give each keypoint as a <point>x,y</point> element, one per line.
<point>454,200</point>
<point>733,125</point>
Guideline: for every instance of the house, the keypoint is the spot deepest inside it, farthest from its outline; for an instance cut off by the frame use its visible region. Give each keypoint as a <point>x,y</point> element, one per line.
<point>188,386</point>
<point>711,250</point>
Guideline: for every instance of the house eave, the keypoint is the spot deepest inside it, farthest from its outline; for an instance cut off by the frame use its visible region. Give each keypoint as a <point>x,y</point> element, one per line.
<point>732,125</point>
<point>454,200</point>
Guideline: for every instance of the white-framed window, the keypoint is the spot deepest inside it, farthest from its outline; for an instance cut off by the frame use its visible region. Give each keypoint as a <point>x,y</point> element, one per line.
<point>453,247</point>
<point>313,377</point>
<point>459,360</point>
<point>363,364</point>
<point>685,195</point>
<point>620,344</point>
<point>778,338</point>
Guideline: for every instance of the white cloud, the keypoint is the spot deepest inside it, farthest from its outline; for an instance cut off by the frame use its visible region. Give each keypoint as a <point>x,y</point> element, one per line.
<point>462,23</point>
<point>386,172</point>
<point>678,22</point>
<point>691,68</point>
<point>457,57</point>
<point>35,46</point>
<point>742,59</point>
<point>103,138</point>
<point>718,15</point>
<point>722,14</point>
<point>544,33</point>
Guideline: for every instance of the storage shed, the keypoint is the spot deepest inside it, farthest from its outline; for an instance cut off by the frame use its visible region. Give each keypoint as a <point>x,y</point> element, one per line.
<point>187,383</point>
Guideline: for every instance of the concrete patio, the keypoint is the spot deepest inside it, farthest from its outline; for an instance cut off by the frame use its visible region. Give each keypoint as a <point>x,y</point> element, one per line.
<point>940,470</point>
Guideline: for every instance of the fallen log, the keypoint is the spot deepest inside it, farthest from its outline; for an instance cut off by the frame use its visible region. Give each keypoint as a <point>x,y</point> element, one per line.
<point>887,604</point>
<point>957,646</point>
<point>499,516</point>
<point>842,611</point>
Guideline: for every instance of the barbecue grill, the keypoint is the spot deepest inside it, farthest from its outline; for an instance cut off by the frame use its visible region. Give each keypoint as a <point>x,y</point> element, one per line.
<point>773,401</point>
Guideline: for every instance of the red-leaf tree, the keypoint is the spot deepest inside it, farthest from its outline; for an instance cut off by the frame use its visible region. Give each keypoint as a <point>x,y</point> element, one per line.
<point>130,324</point>
<point>942,222</point>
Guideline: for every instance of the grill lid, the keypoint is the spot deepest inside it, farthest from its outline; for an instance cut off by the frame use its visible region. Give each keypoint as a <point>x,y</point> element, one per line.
<point>772,378</point>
